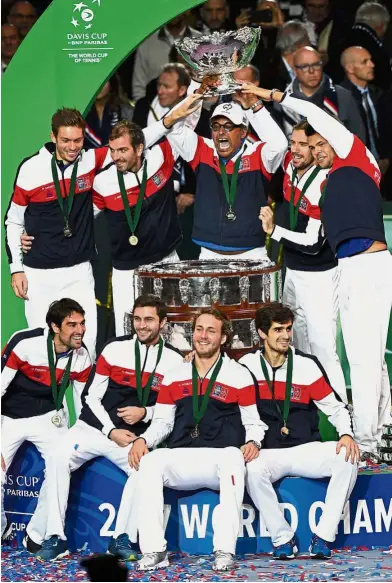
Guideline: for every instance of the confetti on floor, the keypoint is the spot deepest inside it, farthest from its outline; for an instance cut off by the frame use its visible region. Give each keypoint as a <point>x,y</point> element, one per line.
<point>345,565</point>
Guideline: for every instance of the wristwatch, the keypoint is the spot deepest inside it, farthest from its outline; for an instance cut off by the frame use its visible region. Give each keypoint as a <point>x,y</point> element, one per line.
<point>255,443</point>
<point>258,102</point>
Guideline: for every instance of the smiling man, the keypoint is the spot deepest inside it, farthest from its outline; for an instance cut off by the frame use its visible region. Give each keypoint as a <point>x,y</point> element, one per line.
<point>232,177</point>
<point>137,195</point>
<point>292,387</point>
<point>311,282</point>
<point>353,222</point>
<point>118,404</point>
<point>52,203</point>
<point>207,415</point>
<point>37,366</point>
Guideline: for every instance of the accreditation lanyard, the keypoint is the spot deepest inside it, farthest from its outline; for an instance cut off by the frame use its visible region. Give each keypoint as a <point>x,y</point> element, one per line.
<point>289,378</point>
<point>230,191</point>
<point>200,406</point>
<point>133,219</point>
<point>294,208</point>
<point>143,393</point>
<point>58,393</point>
<point>65,209</point>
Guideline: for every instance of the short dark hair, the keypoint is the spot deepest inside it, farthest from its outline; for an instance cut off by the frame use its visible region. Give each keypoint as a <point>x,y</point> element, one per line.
<point>309,130</point>
<point>133,130</point>
<point>301,125</point>
<point>60,309</point>
<point>151,301</point>
<point>184,78</point>
<point>67,117</point>
<point>272,312</point>
<point>219,315</point>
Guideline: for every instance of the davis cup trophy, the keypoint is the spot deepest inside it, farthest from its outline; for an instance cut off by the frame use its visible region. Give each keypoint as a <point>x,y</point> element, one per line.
<point>220,53</point>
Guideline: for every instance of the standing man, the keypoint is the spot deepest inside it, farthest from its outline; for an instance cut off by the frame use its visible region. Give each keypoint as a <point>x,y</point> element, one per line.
<point>359,69</point>
<point>232,177</point>
<point>292,386</point>
<point>23,15</point>
<point>154,51</point>
<point>371,22</point>
<point>353,223</point>
<point>206,412</point>
<point>37,366</point>
<point>118,404</point>
<point>137,195</point>
<point>172,87</point>
<point>314,86</point>
<point>52,203</point>
<point>10,41</point>
<point>311,281</point>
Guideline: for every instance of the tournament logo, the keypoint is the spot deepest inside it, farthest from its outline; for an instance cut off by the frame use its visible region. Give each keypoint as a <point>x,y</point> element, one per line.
<point>83,182</point>
<point>158,178</point>
<point>244,164</point>
<point>295,393</point>
<point>220,393</point>
<point>156,382</point>
<point>304,205</point>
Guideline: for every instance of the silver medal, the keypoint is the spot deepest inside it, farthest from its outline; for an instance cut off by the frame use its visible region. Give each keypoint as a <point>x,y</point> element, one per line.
<point>67,231</point>
<point>195,433</point>
<point>57,420</point>
<point>230,216</point>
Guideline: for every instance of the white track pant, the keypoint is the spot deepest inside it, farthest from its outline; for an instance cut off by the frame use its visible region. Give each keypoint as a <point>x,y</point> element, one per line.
<point>257,253</point>
<point>190,469</point>
<point>311,460</point>
<point>313,296</point>
<point>365,298</point>
<point>40,431</point>
<point>47,285</point>
<point>81,444</point>
<point>124,286</point>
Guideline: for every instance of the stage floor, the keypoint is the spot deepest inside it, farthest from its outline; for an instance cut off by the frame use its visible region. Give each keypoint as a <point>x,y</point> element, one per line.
<point>345,565</point>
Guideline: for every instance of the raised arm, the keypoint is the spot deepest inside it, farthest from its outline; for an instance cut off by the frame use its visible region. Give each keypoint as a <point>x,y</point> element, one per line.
<point>269,132</point>
<point>181,137</point>
<point>340,138</point>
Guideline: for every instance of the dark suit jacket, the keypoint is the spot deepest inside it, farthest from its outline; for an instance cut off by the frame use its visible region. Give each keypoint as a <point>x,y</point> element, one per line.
<point>375,94</point>
<point>362,35</point>
<point>274,73</point>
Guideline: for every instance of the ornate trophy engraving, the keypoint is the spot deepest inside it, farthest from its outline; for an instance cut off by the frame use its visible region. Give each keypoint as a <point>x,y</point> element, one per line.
<point>220,53</point>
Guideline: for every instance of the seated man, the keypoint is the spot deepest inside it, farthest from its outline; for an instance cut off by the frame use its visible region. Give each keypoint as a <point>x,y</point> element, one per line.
<point>37,365</point>
<point>118,405</point>
<point>207,413</point>
<point>292,385</point>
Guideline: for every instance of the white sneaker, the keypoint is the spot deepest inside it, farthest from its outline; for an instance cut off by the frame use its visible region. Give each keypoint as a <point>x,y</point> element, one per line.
<point>223,561</point>
<point>151,561</point>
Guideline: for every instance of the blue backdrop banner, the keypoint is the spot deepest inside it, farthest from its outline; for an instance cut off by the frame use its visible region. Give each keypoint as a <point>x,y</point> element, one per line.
<point>96,491</point>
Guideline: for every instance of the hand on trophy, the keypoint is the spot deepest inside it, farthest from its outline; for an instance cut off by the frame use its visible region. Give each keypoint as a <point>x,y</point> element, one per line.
<point>207,83</point>
<point>265,94</point>
<point>246,100</point>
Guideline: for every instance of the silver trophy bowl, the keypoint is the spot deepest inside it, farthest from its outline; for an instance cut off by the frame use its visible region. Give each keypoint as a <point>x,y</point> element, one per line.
<point>220,53</point>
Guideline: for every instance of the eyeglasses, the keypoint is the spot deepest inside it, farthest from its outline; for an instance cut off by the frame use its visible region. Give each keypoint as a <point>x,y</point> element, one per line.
<point>307,67</point>
<point>227,127</point>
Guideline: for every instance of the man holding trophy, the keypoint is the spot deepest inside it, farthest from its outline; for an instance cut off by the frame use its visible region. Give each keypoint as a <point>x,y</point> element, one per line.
<point>232,175</point>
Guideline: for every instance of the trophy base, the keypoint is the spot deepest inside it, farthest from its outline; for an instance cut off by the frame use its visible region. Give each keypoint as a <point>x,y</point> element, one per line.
<point>227,85</point>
